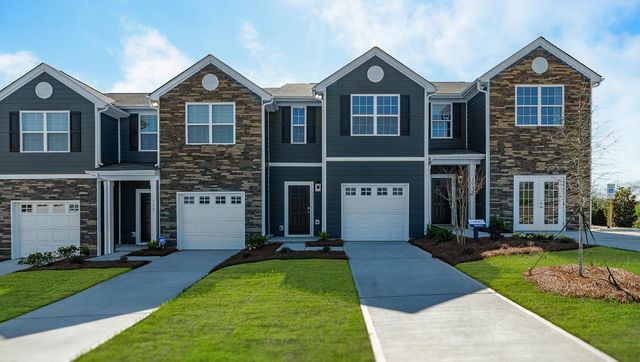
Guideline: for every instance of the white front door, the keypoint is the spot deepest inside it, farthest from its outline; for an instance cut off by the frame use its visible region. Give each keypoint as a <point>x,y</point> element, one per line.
<point>539,203</point>
<point>211,220</point>
<point>375,212</point>
<point>42,226</point>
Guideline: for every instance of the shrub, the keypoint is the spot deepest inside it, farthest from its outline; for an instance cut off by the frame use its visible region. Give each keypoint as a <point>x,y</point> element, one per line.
<point>84,250</point>
<point>624,208</point>
<point>255,241</point>
<point>124,259</point>
<point>497,223</point>
<point>38,259</point>
<point>324,236</point>
<point>326,249</point>
<point>66,252</point>
<point>285,250</point>
<point>442,235</point>
<point>153,244</point>
<point>430,231</point>
<point>76,259</point>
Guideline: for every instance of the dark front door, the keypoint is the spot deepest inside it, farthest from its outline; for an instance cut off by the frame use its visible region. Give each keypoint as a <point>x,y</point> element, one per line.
<point>440,207</point>
<point>145,217</point>
<point>299,209</point>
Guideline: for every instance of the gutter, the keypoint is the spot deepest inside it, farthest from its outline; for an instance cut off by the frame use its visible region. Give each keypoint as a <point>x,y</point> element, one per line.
<point>263,173</point>
<point>99,134</point>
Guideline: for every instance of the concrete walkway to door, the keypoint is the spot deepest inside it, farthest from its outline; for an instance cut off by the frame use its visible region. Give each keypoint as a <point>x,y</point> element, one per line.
<point>64,330</point>
<point>420,309</point>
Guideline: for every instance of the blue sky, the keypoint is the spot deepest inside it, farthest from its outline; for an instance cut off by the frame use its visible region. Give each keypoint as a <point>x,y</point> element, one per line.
<point>138,45</point>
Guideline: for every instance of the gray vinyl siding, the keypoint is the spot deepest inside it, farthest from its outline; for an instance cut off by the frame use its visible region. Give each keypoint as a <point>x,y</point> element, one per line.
<point>277,178</point>
<point>394,82</point>
<point>132,156</point>
<point>63,99</point>
<point>109,139</point>
<point>459,139</point>
<point>375,172</point>
<point>286,152</point>
<point>477,123</point>
<point>128,209</point>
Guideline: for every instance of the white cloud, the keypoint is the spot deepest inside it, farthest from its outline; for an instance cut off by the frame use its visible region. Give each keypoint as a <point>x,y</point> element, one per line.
<point>460,40</point>
<point>149,59</point>
<point>14,65</point>
<point>249,38</point>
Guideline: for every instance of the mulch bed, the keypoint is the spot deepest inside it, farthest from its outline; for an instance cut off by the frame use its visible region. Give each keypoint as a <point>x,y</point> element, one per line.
<point>453,253</point>
<point>596,283</point>
<point>105,264</point>
<point>324,243</point>
<point>153,252</point>
<point>268,252</point>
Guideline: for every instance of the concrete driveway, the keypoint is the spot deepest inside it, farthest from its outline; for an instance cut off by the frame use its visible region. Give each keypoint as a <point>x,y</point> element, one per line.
<point>420,309</point>
<point>63,330</point>
<point>10,266</point>
<point>621,239</point>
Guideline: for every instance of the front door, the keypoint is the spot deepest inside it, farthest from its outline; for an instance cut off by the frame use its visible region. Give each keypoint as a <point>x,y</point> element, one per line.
<point>440,206</point>
<point>538,203</point>
<point>299,210</point>
<point>145,217</point>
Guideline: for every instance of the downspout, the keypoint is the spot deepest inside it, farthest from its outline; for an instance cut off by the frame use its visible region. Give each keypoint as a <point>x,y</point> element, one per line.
<point>487,164</point>
<point>264,162</point>
<point>99,134</point>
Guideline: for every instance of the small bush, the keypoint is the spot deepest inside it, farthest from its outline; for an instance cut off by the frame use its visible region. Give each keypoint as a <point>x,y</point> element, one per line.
<point>324,236</point>
<point>38,259</point>
<point>124,259</point>
<point>66,252</point>
<point>326,249</point>
<point>497,223</point>
<point>442,235</point>
<point>255,241</point>
<point>76,259</point>
<point>84,250</point>
<point>153,244</point>
<point>566,239</point>
<point>544,237</point>
<point>285,250</point>
<point>430,231</point>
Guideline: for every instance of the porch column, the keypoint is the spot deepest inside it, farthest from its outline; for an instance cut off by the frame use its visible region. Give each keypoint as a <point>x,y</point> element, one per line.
<point>472,191</point>
<point>108,216</point>
<point>154,209</point>
<point>427,193</point>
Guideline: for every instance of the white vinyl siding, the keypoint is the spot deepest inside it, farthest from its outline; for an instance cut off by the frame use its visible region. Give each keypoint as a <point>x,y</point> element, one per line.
<point>211,123</point>
<point>44,131</point>
<point>539,105</point>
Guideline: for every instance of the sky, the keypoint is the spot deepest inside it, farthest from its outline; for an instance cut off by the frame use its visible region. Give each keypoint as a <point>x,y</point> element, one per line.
<point>136,46</point>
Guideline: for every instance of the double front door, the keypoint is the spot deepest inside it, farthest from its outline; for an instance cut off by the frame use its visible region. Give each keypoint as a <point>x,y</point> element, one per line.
<point>539,203</point>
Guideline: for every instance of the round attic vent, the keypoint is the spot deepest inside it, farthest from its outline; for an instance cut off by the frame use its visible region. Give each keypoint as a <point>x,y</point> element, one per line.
<point>210,82</point>
<point>540,65</point>
<point>44,90</point>
<point>375,74</point>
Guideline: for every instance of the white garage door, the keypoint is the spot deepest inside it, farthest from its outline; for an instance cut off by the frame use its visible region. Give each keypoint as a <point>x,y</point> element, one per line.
<point>211,220</point>
<point>45,226</point>
<point>375,212</point>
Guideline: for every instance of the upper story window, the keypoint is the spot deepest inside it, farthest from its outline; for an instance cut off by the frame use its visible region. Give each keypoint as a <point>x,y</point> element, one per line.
<point>373,115</point>
<point>298,125</point>
<point>148,132</point>
<point>44,131</point>
<point>441,120</point>
<point>539,105</point>
<point>211,123</point>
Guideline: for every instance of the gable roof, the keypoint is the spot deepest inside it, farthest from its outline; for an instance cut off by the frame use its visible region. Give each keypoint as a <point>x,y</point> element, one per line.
<point>209,59</point>
<point>375,52</point>
<point>545,44</point>
<point>129,99</point>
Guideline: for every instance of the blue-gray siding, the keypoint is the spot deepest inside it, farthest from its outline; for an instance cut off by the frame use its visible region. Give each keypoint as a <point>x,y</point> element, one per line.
<point>286,152</point>
<point>277,177</point>
<point>476,115</point>
<point>63,98</point>
<point>394,82</point>
<point>375,172</point>
<point>109,139</point>
<point>127,155</point>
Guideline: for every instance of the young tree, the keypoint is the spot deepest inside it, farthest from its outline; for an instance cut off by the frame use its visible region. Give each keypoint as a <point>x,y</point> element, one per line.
<point>624,208</point>
<point>457,194</point>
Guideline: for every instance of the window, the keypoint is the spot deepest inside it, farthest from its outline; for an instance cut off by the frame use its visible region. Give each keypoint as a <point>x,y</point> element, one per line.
<point>350,191</point>
<point>74,207</point>
<point>42,209</point>
<point>148,132</point>
<point>397,191</point>
<point>365,191</point>
<point>382,191</point>
<point>211,123</point>
<point>539,105</point>
<point>221,200</point>
<point>26,208</point>
<point>375,115</point>
<point>298,125</point>
<point>205,200</point>
<point>44,131</point>
<point>189,200</point>
<point>236,200</point>
<point>441,120</point>
<point>59,209</point>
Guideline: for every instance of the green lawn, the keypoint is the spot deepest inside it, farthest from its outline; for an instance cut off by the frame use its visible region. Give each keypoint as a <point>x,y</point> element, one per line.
<point>277,310</point>
<point>25,291</point>
<point>610,326</point>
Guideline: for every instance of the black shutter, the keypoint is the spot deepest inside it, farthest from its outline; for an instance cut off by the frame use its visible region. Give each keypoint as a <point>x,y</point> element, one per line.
<point>345,115</point>
<point>311,124</point>
<point>75,133</point>
<point>14,131</point>
<point>458,119</point>
<point>286,124</point>
<point>405,116</point>
<point>133,132</point>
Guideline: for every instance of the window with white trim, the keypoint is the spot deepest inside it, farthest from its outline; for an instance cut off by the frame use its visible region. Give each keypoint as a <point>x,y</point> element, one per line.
<point>26,208</point>
<point>189,200</point>
<point>298,125</point>
<point>441,120</point>
<point>74,207</point>
<point>350,191</point>
<point>205,200</point>
<point>397,191</point>
<point>211,123</point>
<point>381,191</point>
<point>148,132</point>
<point>236,200</point>
<point>221,200</point>
<point>375,115</point>
<point>44,131</point>
<point>365,191</point>
<point>539,105</point>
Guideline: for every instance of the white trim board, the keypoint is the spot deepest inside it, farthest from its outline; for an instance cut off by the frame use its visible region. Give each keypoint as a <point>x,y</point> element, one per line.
<point>295,164</point>
<point>46,176</point>
<point>375,159</point>
<point>286,206</point>
<point>209,60</point>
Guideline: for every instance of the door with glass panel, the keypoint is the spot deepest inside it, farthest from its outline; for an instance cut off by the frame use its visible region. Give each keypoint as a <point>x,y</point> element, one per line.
<point>538,203</point>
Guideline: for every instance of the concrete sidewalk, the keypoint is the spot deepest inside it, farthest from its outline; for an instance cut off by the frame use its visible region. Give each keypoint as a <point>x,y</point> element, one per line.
<point>64,330</point>
<point>420,309</point>
<point>10,266</point>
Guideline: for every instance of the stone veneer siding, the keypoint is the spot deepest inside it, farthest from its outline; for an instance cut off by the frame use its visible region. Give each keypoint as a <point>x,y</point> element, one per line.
<point>198,168</point>
<point>529,150</point>
<point>83,190</point>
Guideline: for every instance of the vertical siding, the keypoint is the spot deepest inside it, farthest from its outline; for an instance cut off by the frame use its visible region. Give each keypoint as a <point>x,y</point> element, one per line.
<point>109,139</point>
<point>286,152</point>
<point>277,178</point>
<point>63,98</point>
<point>393,82</point>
